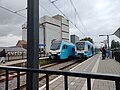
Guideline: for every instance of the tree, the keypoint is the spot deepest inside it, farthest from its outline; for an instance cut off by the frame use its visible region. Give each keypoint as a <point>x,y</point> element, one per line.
<point>115,44</point>
<point>112,44</point>
<point>87,39</point>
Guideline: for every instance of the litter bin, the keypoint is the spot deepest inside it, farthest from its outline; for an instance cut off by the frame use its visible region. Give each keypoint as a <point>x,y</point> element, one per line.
<point>117,56</point>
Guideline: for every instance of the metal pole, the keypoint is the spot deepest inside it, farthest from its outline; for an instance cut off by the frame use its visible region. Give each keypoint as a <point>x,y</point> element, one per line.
<point>108,41</point>
<point>66,82</point>
<point>32,43</point>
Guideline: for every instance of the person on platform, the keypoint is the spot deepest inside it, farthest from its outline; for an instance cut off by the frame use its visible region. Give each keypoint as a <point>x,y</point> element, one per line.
<point>103,53</point>
<point>2,56</point>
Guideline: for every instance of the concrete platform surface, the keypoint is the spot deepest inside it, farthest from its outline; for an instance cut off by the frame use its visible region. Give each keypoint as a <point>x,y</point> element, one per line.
<point>93,64</point>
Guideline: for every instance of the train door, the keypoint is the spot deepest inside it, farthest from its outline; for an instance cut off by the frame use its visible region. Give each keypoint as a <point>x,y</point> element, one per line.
<point>90,51</point>
<point>64,52</point>
<point>73,51</point>
<point>86,50</point>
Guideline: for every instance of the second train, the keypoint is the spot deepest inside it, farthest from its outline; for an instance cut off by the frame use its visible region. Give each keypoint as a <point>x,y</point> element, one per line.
<point>64,50</point>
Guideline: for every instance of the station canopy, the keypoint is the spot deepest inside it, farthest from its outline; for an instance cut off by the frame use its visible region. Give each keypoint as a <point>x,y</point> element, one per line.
<point>117,33</point>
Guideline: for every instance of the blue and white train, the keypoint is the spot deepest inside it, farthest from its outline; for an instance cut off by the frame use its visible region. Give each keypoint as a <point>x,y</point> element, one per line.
<point>84,49</point>
<point>62,50</point>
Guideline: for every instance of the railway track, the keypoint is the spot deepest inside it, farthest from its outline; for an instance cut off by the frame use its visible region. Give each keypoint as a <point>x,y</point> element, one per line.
<point>51,77</point>
<point>68,65</point>
<point>17,62</point>
<point>14,73</point>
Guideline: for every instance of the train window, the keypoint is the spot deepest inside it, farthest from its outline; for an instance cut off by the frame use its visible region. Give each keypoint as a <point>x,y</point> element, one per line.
<point>80,45</point>
<point>73,49</point>
<point>64,46</point>
<point>88,46</point>
<point>55,46</point>
<point>92,48</point>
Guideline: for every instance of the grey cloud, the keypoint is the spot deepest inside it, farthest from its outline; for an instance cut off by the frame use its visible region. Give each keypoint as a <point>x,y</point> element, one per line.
<point>10,29</point>
<point>98,16</point>
<point>7,17</point>
<point>11,23</point>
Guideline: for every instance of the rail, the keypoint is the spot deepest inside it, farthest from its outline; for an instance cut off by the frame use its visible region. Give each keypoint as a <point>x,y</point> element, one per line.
<point>87,75</point>
<point>10,57</point>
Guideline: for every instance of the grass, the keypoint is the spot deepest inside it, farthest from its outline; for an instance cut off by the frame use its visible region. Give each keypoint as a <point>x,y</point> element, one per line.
<point>45,62</point>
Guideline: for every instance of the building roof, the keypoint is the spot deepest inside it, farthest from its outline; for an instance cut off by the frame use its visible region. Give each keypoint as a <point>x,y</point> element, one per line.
<point>22,42</point>
<point>13,49</point>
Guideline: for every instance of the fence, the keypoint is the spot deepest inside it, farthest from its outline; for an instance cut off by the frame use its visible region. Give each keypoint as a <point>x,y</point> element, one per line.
<point>10,57</point>
<point>117,54</point>
<point>88,76</point>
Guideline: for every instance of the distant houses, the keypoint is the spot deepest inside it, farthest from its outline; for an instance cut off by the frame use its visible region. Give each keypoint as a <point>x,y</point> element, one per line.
<point>22,44</point>
<point>14,50</point>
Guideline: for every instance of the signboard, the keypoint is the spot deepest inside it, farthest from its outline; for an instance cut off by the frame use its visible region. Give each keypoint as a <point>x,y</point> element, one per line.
<point>117,33</point>
<point>42,44</point>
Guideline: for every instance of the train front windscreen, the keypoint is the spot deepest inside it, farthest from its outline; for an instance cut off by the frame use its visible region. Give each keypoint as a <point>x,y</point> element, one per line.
<point>80,45</point>
<point>55,45</point>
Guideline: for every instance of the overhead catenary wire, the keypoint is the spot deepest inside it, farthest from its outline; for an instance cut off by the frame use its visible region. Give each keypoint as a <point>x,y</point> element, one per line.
<point>20,10</point>
<point>78,15</point>
<point>12,11</point>
<point>16,12</point>
<point>65,16</point>
<point>46,10</point>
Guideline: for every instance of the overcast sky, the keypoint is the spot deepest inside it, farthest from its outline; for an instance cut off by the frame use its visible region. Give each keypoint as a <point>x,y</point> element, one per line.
<point>95,17</point>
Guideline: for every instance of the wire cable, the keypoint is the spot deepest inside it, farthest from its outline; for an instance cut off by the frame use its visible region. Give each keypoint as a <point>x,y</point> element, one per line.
<point>65,16</point>
<point>78,15</point>
<point>12,11</point>
<point>16,12</point>
<point>46,10</point>
<point>20,10</point>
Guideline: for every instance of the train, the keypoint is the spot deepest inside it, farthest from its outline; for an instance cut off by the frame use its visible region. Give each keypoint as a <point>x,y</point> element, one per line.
<point>62,50</point>
<point>65,50</point>
<point>84,49</point>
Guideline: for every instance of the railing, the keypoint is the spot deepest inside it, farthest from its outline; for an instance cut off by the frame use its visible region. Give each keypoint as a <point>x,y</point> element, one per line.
<point>89,76</point>
<point>21,56</point>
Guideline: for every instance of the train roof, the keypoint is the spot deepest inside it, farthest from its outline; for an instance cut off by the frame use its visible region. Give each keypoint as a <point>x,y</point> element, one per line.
<point>86,42</point>
<point>65,42</point>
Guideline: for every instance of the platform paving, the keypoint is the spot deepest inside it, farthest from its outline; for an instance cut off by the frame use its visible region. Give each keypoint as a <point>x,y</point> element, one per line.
<point>93,64</point>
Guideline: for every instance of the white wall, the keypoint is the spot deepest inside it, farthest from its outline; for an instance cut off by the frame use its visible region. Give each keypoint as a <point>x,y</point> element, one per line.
<point>41,35</point>
<point>52,32</point>
<point>24,31</point>
<point>52,28</point>
<point>24,34</point>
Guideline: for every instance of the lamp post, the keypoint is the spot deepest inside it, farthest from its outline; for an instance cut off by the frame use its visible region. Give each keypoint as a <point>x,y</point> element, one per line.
<point>107,39</point>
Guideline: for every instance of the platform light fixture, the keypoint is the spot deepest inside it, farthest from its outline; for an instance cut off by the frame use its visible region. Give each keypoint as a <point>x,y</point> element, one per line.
<point>107,38</point>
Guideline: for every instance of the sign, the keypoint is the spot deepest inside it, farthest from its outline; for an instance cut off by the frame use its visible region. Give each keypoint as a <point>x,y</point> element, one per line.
<point>117,33</point>
<point>42,44</point>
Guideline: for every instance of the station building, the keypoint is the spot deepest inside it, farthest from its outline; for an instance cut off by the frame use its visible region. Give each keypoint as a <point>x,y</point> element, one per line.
<point>50,28</point>
<point>74,39</point>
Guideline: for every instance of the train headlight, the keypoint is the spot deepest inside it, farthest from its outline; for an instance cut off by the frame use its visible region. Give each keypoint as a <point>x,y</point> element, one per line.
<point>58,53</point>
<point>50,53</point>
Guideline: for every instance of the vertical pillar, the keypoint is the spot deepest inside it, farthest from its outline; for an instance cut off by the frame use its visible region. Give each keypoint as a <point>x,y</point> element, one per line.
<point>32,43</point>
<point>108,41</point>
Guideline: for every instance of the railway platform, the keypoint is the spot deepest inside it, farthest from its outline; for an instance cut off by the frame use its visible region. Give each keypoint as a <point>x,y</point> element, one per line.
<point>93,64</point>
<point>13,63</point>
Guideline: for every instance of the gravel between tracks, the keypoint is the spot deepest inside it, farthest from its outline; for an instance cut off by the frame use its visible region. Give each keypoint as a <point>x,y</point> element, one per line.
<point>13,83</point>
